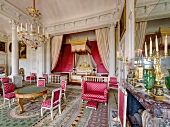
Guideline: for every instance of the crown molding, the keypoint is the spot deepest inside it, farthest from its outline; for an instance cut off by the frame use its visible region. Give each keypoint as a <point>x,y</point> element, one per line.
<point>10,12</point>
<point>86,23</point>
<point>152,10</point>
<point>103,19</point>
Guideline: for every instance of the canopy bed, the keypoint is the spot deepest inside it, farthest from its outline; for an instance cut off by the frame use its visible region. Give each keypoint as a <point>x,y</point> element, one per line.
<point>84,69</point>
<point>83,61</point>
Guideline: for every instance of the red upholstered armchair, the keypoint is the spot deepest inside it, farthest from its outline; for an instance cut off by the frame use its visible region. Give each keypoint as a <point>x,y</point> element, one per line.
<point>113,83</point>
<point>4,80</point>
<point>96,91</point>
<point>46,77</point>
<point>32,77</point>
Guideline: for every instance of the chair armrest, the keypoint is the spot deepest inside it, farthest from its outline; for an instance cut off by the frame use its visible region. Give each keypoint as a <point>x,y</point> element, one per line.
<point>84,87</point>
<point>105,92</point>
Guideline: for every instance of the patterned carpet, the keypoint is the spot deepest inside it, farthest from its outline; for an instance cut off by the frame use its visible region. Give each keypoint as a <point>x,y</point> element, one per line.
<point>74,113</point>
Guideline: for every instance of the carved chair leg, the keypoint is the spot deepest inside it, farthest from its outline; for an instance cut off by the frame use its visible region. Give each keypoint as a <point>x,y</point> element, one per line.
<point>41,111</point>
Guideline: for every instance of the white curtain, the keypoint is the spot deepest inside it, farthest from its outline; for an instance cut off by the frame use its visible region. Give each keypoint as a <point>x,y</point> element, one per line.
<point>140,34</point>
<point>102,36</point>
<point>55,50</point>
<point>76,58</point>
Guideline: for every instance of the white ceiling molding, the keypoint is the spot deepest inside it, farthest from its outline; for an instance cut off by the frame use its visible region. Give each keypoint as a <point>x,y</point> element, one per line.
<point>90,22</point>
<point>152,9</point>
<point>86,23</point>
<point>11,12</point>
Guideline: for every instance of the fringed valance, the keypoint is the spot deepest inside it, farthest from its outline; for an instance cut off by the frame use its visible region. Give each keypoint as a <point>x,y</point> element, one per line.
<point>80,46</point>
<point>163,32</point>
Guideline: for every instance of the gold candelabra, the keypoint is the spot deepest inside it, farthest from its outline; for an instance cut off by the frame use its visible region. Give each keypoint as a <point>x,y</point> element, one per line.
<point>124,60</point>
<point>158,91</point>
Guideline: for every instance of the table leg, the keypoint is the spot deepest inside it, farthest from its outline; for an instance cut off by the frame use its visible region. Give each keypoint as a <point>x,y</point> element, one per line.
<point>44,97</point>
<point>20,105</point>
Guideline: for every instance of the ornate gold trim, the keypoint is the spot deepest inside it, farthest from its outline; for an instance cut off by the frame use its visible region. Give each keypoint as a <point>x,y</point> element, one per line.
<point>164,31</point>
<point>84,67</point>
<point>78,42</point>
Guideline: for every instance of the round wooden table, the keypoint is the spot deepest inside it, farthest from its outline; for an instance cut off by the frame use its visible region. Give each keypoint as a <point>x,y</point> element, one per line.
<point>30,92</point>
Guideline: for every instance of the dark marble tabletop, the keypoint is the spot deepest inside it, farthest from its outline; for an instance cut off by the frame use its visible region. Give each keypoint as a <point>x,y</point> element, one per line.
<point>155,107</point>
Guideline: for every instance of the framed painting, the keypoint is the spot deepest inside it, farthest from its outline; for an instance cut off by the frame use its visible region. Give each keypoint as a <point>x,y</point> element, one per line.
<point>10,47</point>
<point>123,22</point>
<point>3,46</point>
<point>22,50</point>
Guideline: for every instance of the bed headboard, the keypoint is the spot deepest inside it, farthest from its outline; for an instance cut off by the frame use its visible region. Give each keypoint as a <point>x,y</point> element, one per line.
<point>84,68</point>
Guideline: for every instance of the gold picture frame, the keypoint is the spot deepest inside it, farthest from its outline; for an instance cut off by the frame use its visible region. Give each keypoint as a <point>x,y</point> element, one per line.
<point>3,46</point>
<point>22,50</point>
<point>123,22</point>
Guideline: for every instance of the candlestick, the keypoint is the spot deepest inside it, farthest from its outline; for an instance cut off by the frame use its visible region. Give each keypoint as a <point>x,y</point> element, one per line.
<point>156,43</point>
<point>150,45</point>
<point>165,46</point>
<point>146,50</point>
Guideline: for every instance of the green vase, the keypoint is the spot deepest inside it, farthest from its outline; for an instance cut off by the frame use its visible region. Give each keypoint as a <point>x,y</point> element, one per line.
<point>167,82</point>
<point>149,82</point>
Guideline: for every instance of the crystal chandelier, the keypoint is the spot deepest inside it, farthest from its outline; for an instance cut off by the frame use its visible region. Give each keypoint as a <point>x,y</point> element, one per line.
<point>33,35</point>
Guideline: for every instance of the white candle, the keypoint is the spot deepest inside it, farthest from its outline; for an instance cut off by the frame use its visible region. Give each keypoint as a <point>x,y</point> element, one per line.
<point>26,27</point>
<point>117,54</point>
<point>156,43</point>
<point>146,50</point>
<point>21,26</point>
<point>38,29</point>
<point>31,27</point>
<point>165,46</point>
<point>150,45</point>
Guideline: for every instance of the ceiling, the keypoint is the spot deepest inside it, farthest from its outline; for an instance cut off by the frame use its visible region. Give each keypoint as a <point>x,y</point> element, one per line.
<point>59,11</point>
<point>56,11</point>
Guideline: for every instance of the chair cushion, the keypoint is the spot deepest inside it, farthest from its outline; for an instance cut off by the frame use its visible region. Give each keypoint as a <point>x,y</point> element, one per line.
<point>47,103</point>
<point>5,80</point>
<point>10,95</point>
<point>45,75</point>
<point>8,88</point>
<point>98,95</point>
<point>96,86</point>
<point>63,85</point>
<point>113,86</point>
<point>41,83</point>
<point>29,77</point>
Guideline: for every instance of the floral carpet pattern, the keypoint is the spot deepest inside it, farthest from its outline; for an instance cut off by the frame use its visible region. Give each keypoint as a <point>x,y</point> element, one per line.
<point>11,117</point>
<point>74,112</point>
